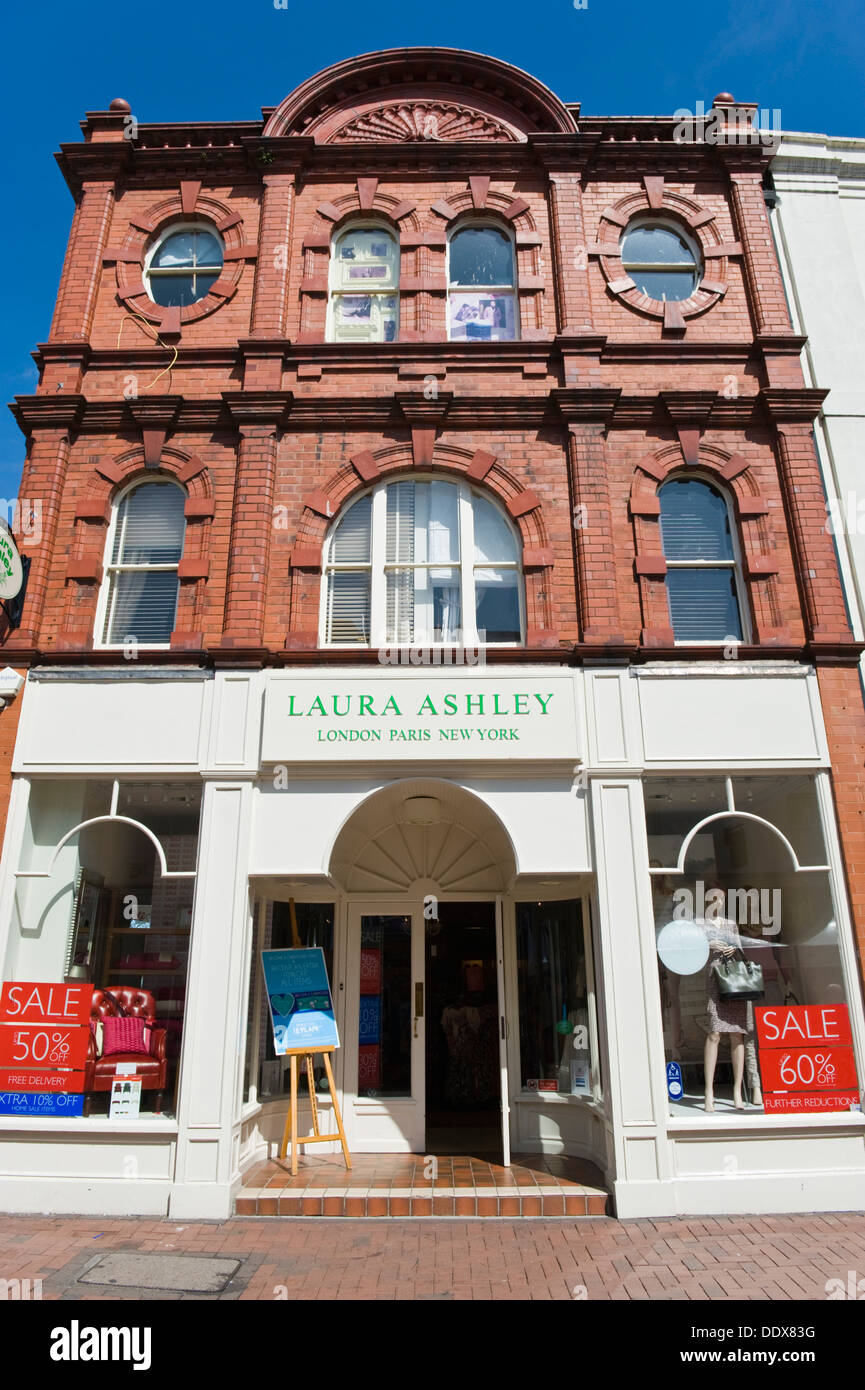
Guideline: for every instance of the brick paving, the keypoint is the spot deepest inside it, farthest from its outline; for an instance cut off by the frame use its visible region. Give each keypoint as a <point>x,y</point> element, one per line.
<point>785,1258</point>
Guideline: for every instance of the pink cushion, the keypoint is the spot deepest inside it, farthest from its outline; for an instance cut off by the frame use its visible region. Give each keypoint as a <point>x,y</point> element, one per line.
<point>125,1035</point>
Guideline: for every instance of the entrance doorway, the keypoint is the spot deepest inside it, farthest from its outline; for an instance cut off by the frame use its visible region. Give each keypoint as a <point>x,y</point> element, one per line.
<point>425,1068</point>
<point>463,1082</point>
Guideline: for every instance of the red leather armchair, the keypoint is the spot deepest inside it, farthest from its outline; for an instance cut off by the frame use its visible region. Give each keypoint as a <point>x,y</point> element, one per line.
<point>99,1072</point>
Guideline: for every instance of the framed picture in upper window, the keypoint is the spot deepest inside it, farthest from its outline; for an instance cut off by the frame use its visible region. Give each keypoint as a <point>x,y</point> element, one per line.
<point>480,316</point>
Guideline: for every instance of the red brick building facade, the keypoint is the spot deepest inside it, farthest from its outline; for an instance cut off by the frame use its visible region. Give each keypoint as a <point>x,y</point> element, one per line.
<point>273,425</point>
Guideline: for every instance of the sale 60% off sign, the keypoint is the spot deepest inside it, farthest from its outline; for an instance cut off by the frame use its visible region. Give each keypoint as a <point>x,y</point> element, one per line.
<point>806,1058</point>
<point>44,1032</point>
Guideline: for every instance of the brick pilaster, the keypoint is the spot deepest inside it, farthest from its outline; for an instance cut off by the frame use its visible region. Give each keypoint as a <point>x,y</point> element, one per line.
<point>270,297</point>
<point>42,484</point>
<point>844,717</point>
<point>823,605</point>
<point>597,593</point>
<point>570,257</point>
<point>82,266</point>
<point>762,273</point>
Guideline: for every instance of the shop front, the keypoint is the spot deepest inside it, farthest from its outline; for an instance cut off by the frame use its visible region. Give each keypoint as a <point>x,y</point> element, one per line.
<point>522,879</point>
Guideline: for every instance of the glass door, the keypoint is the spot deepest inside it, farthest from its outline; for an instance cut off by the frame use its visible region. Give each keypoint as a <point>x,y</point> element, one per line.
<point>384,1105</point>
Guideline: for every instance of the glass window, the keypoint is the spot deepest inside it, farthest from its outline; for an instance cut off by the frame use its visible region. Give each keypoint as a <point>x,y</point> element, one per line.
<point>100,913</point>
<point>183,265</point>
<point>364,286</point>
<point>314,928</point>
<point>555,991</point>
<point>423,563</point>
<point>741,901</point>
<point>702,578</point>
<point>481,256</point>
<point>660,260</point>
<point>145,543</point>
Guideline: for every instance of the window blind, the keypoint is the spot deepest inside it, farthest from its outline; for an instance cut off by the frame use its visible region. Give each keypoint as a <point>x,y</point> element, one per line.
<point>695,523</point>
<point>143,586</point>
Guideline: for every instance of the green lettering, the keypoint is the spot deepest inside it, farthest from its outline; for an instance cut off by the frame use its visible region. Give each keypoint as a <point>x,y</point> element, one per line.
<point>521,704</point>
<point>428,704</point>
<point>317,704</point>
<point>396,709</point>
<point>543,702</point>
<point>366,700</point>
<point>450,704</point>
<point>291,709</point>
<point>480,700</point>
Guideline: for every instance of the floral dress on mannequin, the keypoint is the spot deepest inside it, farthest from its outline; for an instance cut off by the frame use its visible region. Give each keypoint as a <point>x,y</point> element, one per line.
<point>723,1014</point>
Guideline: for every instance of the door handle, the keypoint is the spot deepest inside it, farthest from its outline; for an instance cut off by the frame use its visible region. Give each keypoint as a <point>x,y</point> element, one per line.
<point>418,1003</point>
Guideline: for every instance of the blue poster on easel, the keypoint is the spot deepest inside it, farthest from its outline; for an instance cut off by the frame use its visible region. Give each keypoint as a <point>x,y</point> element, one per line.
<point>298,993</point>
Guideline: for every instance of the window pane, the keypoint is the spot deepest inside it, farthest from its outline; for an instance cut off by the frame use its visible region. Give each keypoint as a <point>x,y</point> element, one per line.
<point>150,526</point>
<point>314,928</point>
<point>664,284</point>
<point>423,605</point>
<point>674,805</point>
<point>370,318</point>
<point>367,258</point>
<point>791,804</point>
<point>494,539</point>
<point>384,1043</point>
<point>348,607</point>
<point>144,606</point>
<point>481,256</point>
<point>695,522</point>
<point>553,992</point>
<point>176,291</point>
<point>703,605</point>
<point>207,249</point>
<point>655,245</point>
<point>351,537</point>
<point>482,317</point>
<point>497,605</point>
<point>400,536</point>
<point>176,250</point>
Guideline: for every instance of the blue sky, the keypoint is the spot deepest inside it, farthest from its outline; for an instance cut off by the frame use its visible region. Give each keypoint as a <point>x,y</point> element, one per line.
<point>616,57</point>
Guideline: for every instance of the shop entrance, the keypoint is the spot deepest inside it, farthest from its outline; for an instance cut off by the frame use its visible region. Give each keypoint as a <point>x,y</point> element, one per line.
<point>424,1057</point>
<point>463,1082</point>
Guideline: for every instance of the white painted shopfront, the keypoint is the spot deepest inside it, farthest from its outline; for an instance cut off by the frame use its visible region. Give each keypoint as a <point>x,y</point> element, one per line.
<point>480,850</point>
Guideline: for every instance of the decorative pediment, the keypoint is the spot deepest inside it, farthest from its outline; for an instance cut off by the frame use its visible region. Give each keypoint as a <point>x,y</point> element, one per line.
<point>421,120</point>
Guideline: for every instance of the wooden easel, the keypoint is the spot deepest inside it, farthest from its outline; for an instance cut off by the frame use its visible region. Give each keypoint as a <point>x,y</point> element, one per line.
<point>290,1131</point>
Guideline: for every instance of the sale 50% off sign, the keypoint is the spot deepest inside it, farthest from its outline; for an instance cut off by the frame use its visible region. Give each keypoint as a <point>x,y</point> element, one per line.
<point>44,1032</point>
<point>806,1058</point>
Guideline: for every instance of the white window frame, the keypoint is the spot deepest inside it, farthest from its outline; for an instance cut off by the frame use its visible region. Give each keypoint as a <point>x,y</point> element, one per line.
<point>334,288</point>
<point>735,564</point>
<point>470,224</point>
<point>167,272</point>
<point>669,225</point>
<point>107,589</point>
<point>377,567</point>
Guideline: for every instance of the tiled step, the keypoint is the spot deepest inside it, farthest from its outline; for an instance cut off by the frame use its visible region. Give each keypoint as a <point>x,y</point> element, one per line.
<point>515,1201</point>
<point>399,1185</point>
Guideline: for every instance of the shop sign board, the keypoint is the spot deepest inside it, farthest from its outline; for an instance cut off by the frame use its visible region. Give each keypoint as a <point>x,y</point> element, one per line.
<point>429,717</point>
<point>301,1006</point>
<point>40,1103</point>
<point>806,1058</point>
<point>44,1034</point>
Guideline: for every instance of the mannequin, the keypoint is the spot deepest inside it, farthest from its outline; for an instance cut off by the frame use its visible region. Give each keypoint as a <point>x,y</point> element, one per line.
<point>761,949</point>
<point>723,1015</point>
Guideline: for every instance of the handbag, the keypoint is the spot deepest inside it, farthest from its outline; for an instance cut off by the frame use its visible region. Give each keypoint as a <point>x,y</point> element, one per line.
<point>738,977</point>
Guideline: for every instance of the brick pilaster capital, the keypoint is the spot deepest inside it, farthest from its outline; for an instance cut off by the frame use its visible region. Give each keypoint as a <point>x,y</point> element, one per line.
<point>57,412</point>
<point>584,405</point>
<point>793,405</point>
<point>261,409</point>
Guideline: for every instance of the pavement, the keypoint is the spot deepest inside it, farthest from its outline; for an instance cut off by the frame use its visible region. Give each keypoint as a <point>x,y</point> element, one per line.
<point>761,1258</point>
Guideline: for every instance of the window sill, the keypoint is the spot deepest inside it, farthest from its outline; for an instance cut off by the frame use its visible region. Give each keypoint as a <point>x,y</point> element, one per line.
<point>722,1122</point>
<point>555,1098</point>
<point>88,1124</point>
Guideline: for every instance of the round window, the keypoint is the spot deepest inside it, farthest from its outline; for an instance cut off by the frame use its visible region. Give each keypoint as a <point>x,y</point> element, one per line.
<point>183,265</point>
<point>659,260</point>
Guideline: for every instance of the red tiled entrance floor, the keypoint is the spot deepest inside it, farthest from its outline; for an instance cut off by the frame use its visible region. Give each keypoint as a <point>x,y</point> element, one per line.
<point>409,1185</point>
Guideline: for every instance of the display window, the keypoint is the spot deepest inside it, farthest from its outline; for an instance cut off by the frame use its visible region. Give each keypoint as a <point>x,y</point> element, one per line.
<point>558,1035</point>
<point>750,968</point>
<point>267,1076</point>
<point>103,909</point>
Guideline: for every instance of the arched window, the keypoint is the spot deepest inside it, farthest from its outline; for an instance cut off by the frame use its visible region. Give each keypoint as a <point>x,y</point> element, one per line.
<point>703,572</point>
<point>660,259</point>
<point>482,303</point>
<point>420,563</point>
<point>364,286</point>
<point>183,263</point>
<point>138,601</point>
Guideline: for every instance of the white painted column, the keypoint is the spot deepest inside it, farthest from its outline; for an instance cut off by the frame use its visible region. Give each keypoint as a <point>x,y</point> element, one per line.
<point>627,975</point>
<point>206,1170</point>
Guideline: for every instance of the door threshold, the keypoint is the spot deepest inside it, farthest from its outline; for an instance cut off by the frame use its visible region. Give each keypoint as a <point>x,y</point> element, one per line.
<point>406,1185</point>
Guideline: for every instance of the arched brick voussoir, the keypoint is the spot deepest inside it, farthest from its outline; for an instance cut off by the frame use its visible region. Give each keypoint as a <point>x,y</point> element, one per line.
<point>322,507</point>
<point>507,207</point>
<point>110,476</point>
<point>332,216</point>
<point>733,472</point>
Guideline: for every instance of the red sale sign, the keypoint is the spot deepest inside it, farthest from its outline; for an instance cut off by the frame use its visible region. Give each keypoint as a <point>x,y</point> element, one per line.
<point>806,1058</point>
<point>21,1002</point>
<point>809,1069</point>
<point>41,1045</point>
<point>14,1079</point>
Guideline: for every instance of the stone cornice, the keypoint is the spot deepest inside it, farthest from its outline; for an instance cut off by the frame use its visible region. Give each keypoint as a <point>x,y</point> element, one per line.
<point>258,407</point>
<point>788,404</point>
